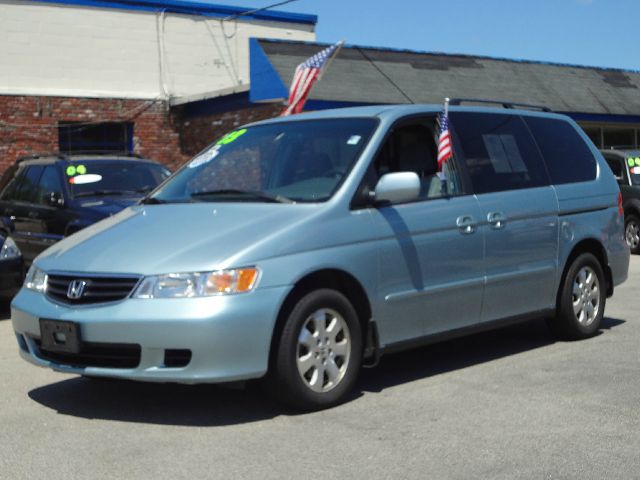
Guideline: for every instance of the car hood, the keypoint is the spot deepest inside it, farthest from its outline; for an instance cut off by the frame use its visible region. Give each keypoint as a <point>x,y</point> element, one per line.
<point>105,206</point>
<point>153,239</point>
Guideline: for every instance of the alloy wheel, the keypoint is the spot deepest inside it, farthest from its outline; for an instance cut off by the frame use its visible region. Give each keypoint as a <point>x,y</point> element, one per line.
<point>324,347</point>
<point>586,296</point>
<point>632,234</point>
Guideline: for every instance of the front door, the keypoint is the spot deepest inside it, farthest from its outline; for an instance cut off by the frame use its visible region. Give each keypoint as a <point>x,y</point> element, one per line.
<point>430,250</point>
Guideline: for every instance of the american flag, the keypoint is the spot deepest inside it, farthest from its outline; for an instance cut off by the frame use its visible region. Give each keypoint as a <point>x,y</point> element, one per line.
<point>306,74</point>
<point>445,151</point>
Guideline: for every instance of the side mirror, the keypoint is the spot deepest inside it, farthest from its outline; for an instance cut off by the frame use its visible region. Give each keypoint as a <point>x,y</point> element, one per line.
<point>55,199</point>
<point>397,187</point>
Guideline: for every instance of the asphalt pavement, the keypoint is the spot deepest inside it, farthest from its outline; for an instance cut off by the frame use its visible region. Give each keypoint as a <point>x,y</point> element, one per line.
<point>508,404</point>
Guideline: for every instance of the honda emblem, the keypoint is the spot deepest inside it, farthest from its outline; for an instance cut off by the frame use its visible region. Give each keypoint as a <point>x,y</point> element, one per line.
<point>76,289</point>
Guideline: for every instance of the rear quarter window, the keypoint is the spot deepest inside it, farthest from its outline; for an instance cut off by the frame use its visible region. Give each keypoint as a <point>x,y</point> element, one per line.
<point>568,157</point>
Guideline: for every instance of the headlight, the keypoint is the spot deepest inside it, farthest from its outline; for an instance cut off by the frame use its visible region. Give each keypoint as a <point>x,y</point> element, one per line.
<point>199,284</point>
<point>36,279</point>
<point>9,250</point>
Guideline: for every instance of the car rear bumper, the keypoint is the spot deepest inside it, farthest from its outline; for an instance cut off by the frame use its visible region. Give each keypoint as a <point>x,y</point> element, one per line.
<point>215,339</point>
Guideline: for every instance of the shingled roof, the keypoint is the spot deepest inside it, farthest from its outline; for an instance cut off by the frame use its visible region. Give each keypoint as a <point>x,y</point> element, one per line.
<point>371,75</point>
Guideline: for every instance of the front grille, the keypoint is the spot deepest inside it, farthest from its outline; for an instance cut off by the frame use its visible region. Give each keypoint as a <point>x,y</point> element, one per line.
<point>108,355</point>
<point>97,289</point>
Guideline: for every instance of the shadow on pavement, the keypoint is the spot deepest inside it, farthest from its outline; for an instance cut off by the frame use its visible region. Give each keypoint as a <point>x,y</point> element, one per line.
<point>460,353</point>
<point>212,405</point>
<point>164,404</point>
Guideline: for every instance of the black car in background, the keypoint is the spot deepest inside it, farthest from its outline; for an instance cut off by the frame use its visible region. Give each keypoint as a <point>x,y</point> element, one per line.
<point>12,269</point>
<point>625,165</point>
<point>46,198</point>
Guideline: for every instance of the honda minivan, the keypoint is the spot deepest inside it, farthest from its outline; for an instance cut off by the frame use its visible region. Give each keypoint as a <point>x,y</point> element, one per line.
<point>297,249</point>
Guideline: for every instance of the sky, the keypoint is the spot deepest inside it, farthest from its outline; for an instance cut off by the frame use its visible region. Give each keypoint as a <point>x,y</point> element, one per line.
<point>601,33</point>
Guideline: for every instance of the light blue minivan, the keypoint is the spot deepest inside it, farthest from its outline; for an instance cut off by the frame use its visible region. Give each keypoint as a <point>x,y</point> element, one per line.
<point>298,249</point>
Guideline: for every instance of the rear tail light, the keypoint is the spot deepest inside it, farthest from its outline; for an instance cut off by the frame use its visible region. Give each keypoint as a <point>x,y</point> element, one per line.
<point>620,209</point>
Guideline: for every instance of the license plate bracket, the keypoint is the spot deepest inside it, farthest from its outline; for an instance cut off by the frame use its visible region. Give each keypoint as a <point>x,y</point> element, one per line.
<point>60,336</point>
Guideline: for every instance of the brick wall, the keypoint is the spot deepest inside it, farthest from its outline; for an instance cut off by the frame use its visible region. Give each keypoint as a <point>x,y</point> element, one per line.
<point>198,132</point>
<point>29,124</point>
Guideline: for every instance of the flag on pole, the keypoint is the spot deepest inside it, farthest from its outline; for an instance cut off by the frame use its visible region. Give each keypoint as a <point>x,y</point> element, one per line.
<point>445,151</point>
<point>305,76</point>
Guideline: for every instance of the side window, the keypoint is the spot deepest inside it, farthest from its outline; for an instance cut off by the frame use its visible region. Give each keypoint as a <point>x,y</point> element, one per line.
<point>28,189</point>
<point>616,164</point>
<point>498,151</point>
<point>566,154</point>
<point>10,190</point>
<point>412,148</point>
<point>49,183</point>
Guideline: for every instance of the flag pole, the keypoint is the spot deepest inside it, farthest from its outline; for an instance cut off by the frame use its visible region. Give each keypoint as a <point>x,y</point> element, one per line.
<point>335,54</point>
<point>441,174</point>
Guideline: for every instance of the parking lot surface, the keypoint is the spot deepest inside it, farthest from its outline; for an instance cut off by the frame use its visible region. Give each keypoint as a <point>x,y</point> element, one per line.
<point>507,404</point>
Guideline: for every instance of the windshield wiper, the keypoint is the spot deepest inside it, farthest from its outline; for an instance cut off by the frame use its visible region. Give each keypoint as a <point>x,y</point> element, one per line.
<point>248,193</point>
<point>102,193</point>
<point>152,201</point>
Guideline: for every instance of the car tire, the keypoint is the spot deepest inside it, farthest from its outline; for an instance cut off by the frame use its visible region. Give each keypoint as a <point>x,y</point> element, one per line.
<point>581,299</point>
<point>319,352</point>
<point>632,233</point>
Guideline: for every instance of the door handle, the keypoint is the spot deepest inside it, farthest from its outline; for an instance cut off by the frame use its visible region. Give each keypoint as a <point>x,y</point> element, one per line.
<point>466,224</point>
<point>32,214</point>
<point>496,220</point>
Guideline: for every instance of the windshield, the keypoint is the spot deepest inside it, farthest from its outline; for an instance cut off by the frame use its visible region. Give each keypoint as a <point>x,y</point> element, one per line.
<point>301,161</point>
<point>113,177</point>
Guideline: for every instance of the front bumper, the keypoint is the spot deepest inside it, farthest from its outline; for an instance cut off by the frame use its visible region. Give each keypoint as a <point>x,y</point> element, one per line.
<point>228,336</point>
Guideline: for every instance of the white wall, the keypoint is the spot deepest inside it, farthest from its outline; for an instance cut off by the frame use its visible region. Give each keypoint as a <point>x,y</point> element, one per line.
<point>66,50</point>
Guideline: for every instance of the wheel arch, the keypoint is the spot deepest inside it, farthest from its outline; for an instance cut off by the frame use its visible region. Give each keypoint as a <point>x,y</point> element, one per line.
<point>595,247</point>
<point>632,207</point>
<point>331,278</point>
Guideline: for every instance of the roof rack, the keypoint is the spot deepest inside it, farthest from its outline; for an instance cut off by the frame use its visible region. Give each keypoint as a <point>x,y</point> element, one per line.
<point>504,103</point>
<point>119,153</point>
<point>35,156</point>
<point>622,147</point>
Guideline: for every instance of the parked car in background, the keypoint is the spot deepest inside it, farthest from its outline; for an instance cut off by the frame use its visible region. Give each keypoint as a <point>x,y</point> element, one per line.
<point>625,165</point>
<point>12,269</point>
<point>46,198</point>
<point>311,244</point>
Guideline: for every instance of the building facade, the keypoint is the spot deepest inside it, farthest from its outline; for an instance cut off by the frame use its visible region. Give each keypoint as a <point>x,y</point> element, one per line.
<point>93,75</point>
<point>164,78</point>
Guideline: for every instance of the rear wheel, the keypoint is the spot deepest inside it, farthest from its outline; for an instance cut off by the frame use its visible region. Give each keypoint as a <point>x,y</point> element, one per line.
<point>632,233</point>
<point>581,299</point>
<point>319,352</point>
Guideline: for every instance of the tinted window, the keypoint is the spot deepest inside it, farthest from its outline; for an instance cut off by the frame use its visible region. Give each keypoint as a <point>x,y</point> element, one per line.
<point>617,167</point>
<point>106,177</point>
<point>498,151</point>
<point>566,154</point>
<point>49,183</point>
<point>13,184</point>
<point>27,191</point>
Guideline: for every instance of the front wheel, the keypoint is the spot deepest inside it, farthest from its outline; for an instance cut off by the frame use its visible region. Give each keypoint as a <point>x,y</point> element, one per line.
<point>319,352</point>
<point>632,233</point>
<point>581,299</point>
